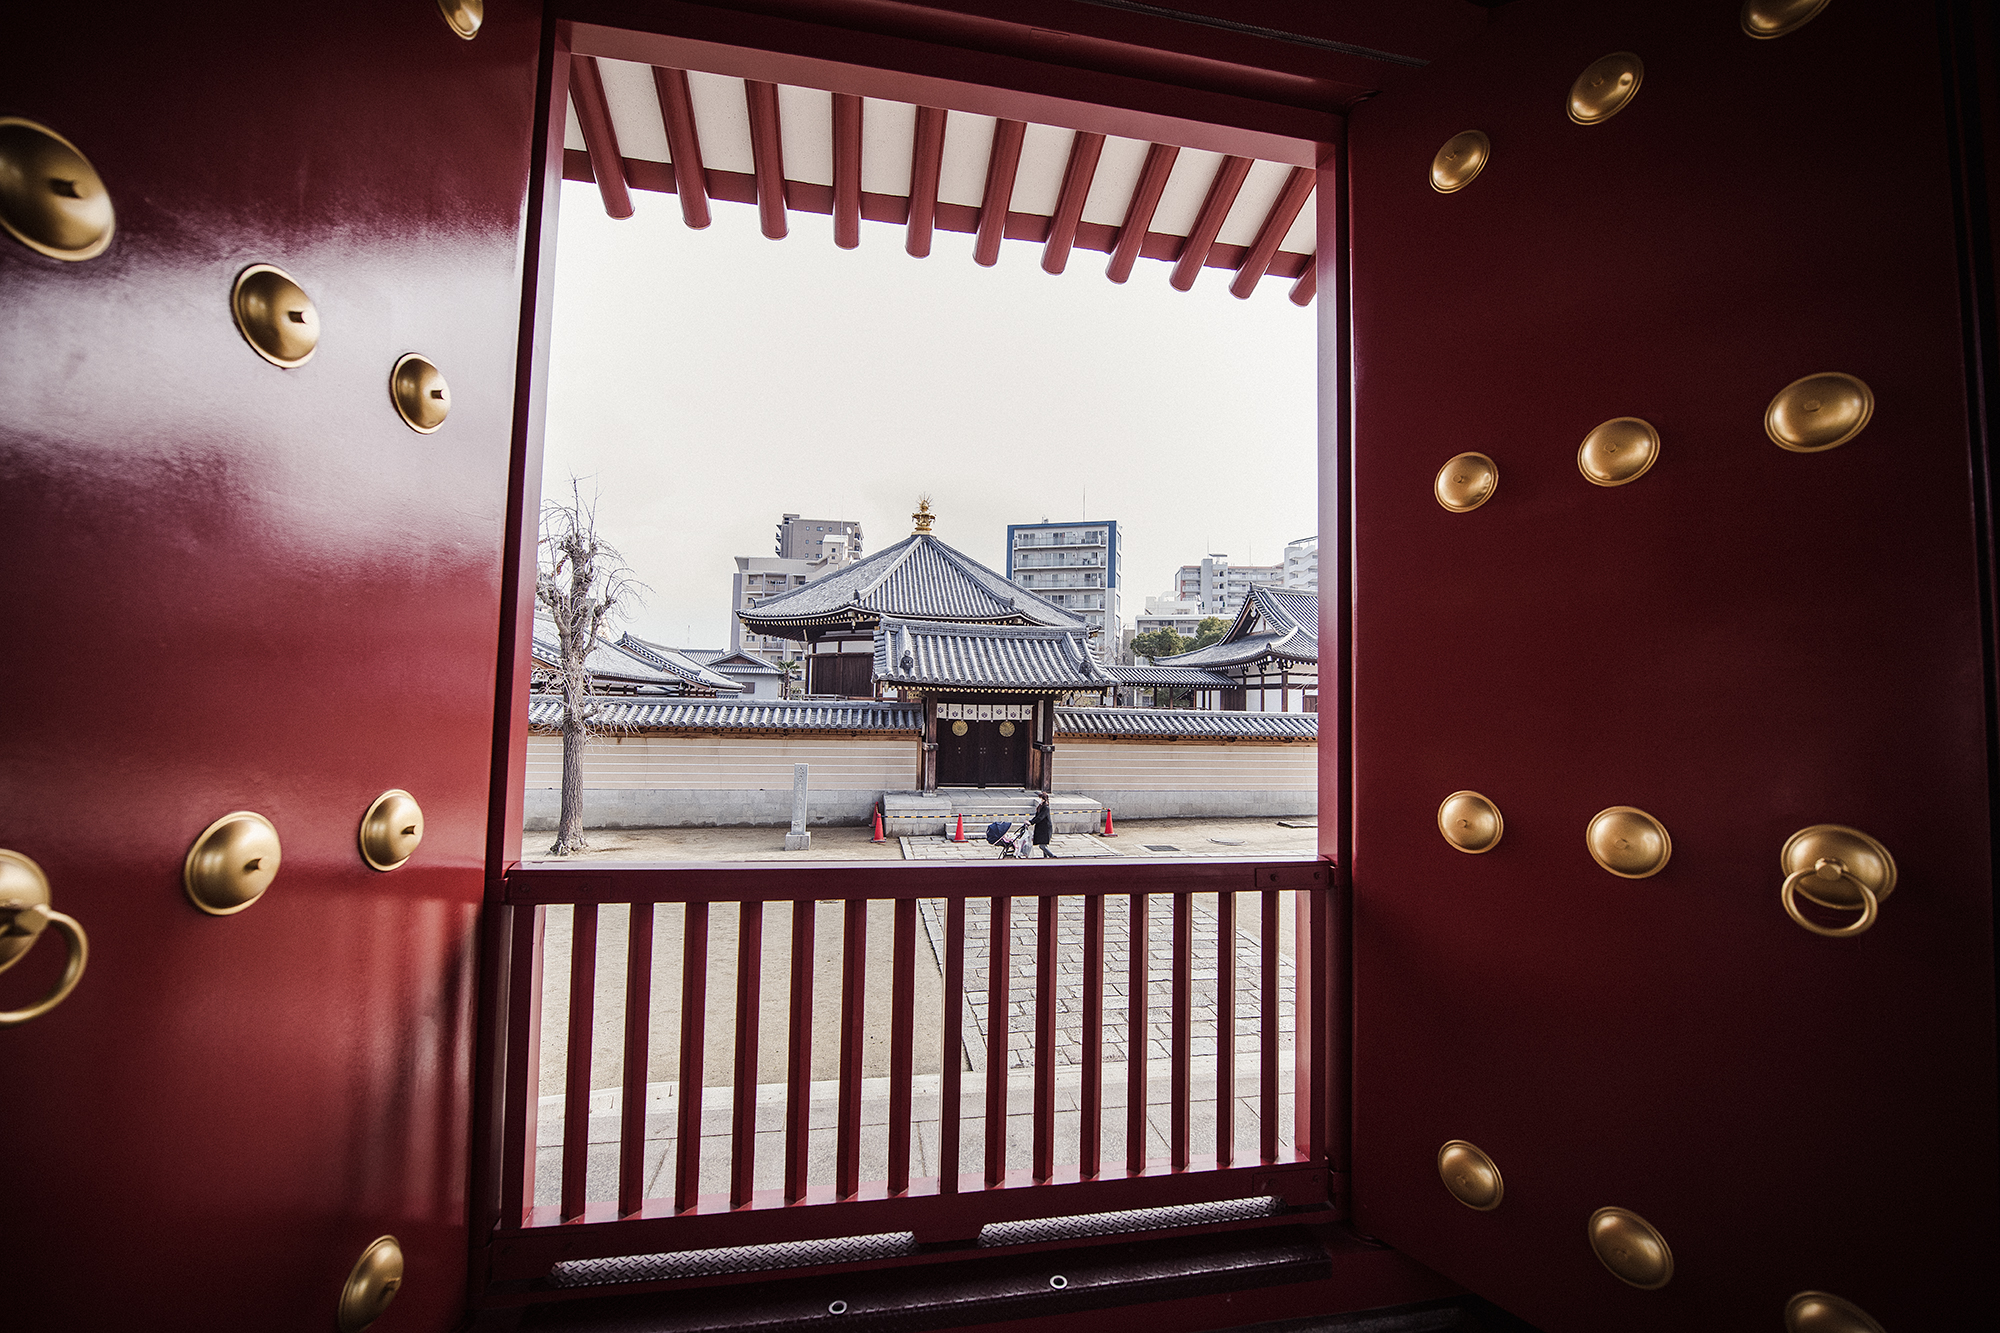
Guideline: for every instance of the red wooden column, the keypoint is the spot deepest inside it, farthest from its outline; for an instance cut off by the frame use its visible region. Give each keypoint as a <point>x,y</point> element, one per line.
<point>1225,1028</point>
<point>798,1057</point>
<point>999,973</point>
<point>1137,978</point>
<point>926,164</point>
<point>1045,1039</point>
<point>853,983</point>
<point>846,170</point>
<point>638,1037</point>
<point>1091,1130</point>
<point>1001,168</point>
<point>694,1031</point>
<point>767,159</point>
<point>1267,1031</point>
<point>749,1007</point>
<point>953,1052</point>
<point>902,1039</point>
<point>576,1076</point>
<point>600,139</point>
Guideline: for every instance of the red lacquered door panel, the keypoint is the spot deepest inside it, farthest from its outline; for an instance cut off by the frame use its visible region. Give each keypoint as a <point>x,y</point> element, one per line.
<point>231,586</point>
<point>1743,642</point>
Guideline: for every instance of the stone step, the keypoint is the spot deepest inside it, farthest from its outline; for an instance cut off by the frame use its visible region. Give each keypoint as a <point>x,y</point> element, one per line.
<point>918,814</point>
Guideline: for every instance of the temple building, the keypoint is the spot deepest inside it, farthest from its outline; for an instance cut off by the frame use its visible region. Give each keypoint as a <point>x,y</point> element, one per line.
<point>920,621</point>
<point>1270,656</point>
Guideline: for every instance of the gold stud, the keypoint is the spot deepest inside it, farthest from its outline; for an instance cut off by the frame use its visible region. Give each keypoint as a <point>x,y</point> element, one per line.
<point>1604,88</point>
<point>1466,482</point>
<point>1470,1176</point>
<point>1628,842</point>
<point>374,1282</point>
<point>1822,1312</point>
<point>422,398</point>
<point>1631,1248</point>
<point>231,863</point>
<point>1470,822</point>
<point>1462,157</point>
<point>1765,19</point>
<point>1621,450</point>
<point>1819,412</point>
<point>51,199</point>
<point>391,829</point>
<point>275,316</point>
<point>464,16</point>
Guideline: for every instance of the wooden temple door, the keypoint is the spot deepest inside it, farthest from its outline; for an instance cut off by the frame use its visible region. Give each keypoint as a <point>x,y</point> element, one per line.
<point>1644,597</point>
<point>238,581</point>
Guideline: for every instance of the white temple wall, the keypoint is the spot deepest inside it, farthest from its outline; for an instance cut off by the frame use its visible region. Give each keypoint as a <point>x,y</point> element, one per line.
<point>680,781</point>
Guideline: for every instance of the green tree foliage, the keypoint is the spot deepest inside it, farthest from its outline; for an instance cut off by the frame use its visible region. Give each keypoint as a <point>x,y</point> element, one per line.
<point>1210,630</point>
<point>1162,642</point>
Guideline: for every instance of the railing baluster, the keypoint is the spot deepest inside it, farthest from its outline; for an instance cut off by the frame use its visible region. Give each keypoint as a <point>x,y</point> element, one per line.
<point>1183,1047</point>
<point>519,1119</point>
<point>798,1058</point>
<point>853,978</point>
<point>749,1004</point>
<point>1225,1028</point>
<point>902,1038</point>
<point>999,976</point>
<point>576,1078</point>
<point>638,1038</point>
<point>953,1054</point>
<point>1137,1035</point>
<point>1267,1034</point>
<point>1091,1129</point>
<point>694,1026</point>
<point>1045,1039</point>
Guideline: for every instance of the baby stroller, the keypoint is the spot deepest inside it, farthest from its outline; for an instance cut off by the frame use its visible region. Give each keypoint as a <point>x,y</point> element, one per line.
<point>1010,837</point>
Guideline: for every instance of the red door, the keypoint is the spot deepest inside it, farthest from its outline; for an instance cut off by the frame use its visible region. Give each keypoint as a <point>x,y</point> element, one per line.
<point>1742,642</point>
<point>233,586</point>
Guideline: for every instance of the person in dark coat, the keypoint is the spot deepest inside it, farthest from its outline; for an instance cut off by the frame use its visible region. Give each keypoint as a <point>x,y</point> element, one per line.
<point>1045,826</point>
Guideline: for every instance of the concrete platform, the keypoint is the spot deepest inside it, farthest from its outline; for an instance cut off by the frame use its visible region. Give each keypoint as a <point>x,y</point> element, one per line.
<point>934,814</point>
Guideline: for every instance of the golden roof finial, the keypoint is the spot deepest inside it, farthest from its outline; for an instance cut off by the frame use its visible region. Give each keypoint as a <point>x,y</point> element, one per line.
<point>923,516</point>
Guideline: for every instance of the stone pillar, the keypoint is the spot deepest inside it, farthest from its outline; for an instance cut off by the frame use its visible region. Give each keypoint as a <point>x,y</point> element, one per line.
<point>798,840</point>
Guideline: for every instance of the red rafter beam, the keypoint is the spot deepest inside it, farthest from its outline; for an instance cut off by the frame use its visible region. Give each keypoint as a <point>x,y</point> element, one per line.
<point>767,156</point>
<point>1139,213</point>
<point>593,113</point>
<point>846,170</point>
<point>1284,212</point>
<point>1001,166</point>
<point>926,163</point>
<point>1084,150</point>
<point>683,144</point>
<point>1302,290</point>
<point>1222,194</point>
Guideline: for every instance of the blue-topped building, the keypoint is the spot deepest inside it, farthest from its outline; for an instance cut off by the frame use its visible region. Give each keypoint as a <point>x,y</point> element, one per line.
<point>1076,566</point>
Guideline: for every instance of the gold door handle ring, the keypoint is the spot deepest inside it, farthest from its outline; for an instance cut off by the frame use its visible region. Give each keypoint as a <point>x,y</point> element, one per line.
<point>79,954</point>
<point>1829,869</point>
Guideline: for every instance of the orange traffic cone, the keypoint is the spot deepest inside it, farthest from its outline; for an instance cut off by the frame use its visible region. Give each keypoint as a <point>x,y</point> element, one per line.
<point>1109,832</point>
<point>878,826</point>
<point>960,835</point>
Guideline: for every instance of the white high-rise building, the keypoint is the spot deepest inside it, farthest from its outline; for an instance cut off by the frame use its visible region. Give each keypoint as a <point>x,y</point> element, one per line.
<point>1217,588</point>
<point>1302,564</point>
<point>1078,566</point>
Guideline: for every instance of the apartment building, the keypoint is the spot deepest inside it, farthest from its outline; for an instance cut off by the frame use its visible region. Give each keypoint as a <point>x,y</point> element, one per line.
<point>818,539</point>
<point>1217,588</point>
<point>1076,566</point>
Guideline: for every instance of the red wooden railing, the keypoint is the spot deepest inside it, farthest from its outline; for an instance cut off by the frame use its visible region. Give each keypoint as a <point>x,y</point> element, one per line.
<point>960,1197</point>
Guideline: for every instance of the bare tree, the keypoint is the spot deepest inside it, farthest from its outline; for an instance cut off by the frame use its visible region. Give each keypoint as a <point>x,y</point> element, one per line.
<point>581,582</point>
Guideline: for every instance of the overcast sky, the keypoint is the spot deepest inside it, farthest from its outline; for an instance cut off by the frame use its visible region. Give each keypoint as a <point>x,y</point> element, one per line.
<point>705,383</point>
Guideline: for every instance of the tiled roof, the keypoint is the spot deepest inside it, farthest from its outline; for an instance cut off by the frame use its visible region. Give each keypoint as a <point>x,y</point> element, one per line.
<point>643,714</point>
<point>930,655</point>
<point>919,578</point>
<point>677,663</point>
<point>1159,675</point>
<point>1274,622</point>
<point>610,664</point>
<point>1186,724</point>
<point>734,664</point>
